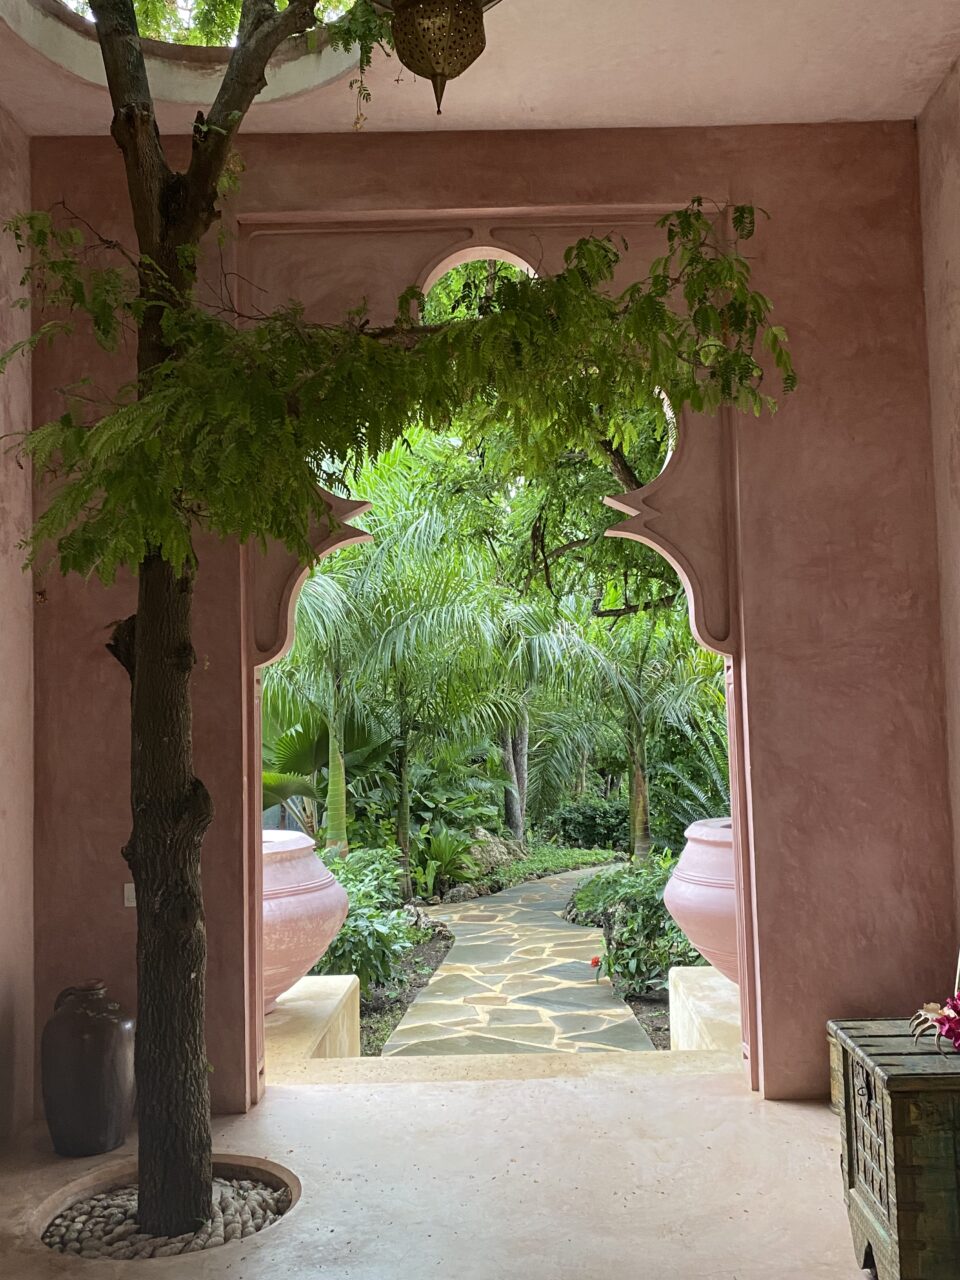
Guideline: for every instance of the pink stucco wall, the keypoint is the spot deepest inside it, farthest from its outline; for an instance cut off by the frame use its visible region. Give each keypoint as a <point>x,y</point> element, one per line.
<point>850,839</point>
<point>939,135</point>
<point>16,664</point>
<point>842,686</point>
<point>83,928</point>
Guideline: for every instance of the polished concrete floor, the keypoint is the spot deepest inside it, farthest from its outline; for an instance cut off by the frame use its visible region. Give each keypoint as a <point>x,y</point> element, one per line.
<point>541,1167</point>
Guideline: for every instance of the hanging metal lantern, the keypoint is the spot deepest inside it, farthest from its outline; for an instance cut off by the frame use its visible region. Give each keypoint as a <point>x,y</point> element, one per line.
<point>438,39</point>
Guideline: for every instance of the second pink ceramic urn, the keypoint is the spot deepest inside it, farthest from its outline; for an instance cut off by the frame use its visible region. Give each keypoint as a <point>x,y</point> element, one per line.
<point>701,894</point>
<point>304,907</point>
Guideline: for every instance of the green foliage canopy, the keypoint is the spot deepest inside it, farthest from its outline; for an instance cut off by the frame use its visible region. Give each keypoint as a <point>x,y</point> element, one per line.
<point>234,429</point>
<point>215,22</point>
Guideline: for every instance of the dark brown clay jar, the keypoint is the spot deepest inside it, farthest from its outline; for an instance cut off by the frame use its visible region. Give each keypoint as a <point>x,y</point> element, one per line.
<point>87,1072</point>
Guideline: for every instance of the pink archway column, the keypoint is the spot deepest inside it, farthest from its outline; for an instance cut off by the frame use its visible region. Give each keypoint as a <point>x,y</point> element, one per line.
<point>270,583</point>
<point>689,515</point>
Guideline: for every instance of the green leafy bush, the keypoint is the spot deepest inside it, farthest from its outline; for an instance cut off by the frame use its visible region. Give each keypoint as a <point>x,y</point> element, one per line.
<point>591,822</point>
<point>546,860</point>
<point>441,859</point>
<point>379,867</point>
<point>457,795</point>
<point>642,940</point>
<point>376,933</point>
<point>689,776</point>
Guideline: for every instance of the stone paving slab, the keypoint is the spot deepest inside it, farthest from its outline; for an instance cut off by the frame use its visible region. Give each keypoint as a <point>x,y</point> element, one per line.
<point>518,979</point>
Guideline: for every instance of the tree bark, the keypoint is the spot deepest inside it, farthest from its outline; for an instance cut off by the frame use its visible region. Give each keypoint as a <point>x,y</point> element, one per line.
<point>171,813</point>
<point>639,810</point>
<point>512,813</point>
<point>580,786</point>
<point>336,842</point>
<point>521,759</point>
<point>403,818</point>
<point>171,808</point>
<point>619,465</point>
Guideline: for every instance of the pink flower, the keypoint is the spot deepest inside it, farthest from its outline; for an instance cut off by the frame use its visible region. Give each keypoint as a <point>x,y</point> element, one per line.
<point>948,1021</point>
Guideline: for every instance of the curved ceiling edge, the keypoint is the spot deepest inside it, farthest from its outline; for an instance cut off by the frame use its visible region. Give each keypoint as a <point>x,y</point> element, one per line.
<point>178,73</point>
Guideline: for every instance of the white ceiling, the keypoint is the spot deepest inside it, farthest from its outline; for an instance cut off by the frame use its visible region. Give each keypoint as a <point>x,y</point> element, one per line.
<point>553,64</point>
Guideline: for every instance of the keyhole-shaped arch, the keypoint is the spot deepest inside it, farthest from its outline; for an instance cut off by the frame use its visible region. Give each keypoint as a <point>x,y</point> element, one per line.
<point>689,514</point>
<point>685,515</point>
<point>272,579</point>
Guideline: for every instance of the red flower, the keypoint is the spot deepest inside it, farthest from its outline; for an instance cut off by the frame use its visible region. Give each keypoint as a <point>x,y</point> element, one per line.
<point>595,961</point>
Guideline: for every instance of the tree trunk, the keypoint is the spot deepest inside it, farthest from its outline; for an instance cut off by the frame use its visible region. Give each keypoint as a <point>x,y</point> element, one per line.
<point>171,808</point>
<point>521,758</point>
<point>639,811</point>
<point>336,800</point>
<point>171,813</point>
<point>581,783</point>
<point>512,814</point>
<point>403,819</point>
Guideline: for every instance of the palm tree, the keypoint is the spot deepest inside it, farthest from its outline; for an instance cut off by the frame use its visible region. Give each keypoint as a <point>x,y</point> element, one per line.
<point>689,714</point>
<point>431,604</point>
<point>676,690</point>
<point>557,674</point>
<point>310,695</point>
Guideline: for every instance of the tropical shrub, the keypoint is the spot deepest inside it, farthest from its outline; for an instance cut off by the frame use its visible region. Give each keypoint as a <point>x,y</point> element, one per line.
<point>643,942</point>
<point>377,933</point>
<point>441,858</point>
<point>376,866</point>
<point>591,822</point>
<point>690,777</point>
<point>453,788</point>
<point>546,860</point>
<point>310,775</point>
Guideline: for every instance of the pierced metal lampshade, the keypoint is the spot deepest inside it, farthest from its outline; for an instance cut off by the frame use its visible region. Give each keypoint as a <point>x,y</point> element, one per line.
<point>438,39</point>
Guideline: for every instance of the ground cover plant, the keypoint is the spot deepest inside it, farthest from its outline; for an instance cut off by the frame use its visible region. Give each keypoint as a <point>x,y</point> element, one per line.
<point>231,430</point>
<point>377,932</point>
<point>540,860</point>
<point>642,941</point>
<point>384,1005</point>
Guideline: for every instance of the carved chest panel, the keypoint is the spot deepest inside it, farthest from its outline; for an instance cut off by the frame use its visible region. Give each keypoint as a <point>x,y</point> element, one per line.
<point>900,1109</point>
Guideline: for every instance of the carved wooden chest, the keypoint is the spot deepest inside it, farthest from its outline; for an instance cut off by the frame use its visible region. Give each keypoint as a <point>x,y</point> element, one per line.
<point>900,1109</point>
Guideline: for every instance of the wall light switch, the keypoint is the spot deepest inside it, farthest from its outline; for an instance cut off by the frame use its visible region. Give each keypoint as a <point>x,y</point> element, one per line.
<point>129,896</point>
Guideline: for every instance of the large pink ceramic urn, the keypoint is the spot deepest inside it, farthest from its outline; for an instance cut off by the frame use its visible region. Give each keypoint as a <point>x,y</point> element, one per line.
<point>304,907</point>
<point>701,895</point>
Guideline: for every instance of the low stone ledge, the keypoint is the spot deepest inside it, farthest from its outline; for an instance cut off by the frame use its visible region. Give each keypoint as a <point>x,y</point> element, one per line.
<point>704,1011</point>
<point>318,1018</point>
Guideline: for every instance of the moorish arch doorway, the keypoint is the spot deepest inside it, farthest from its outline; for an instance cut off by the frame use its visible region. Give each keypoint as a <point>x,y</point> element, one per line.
<point>272,581</point>
<point>687,514</point>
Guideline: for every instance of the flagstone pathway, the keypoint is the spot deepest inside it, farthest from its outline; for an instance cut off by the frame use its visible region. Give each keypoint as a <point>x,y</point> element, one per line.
<point>518,979</point>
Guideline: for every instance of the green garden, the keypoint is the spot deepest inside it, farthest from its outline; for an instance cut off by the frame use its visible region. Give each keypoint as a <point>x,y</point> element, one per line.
<point>491,690</point>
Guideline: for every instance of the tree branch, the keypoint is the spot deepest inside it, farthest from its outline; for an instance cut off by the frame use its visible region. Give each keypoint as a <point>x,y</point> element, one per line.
<point>261,32</point>
<point>123,644</point>
<point>574,545</point>
<point>621,468</point>
<point>643,606</point>
<point>134,126</point>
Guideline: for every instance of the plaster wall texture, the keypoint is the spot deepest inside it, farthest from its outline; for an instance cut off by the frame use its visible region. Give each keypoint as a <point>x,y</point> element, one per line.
<point>82,719</point>
<point>839,627</point>
<point>939,140</point>
<point>16,663</point>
